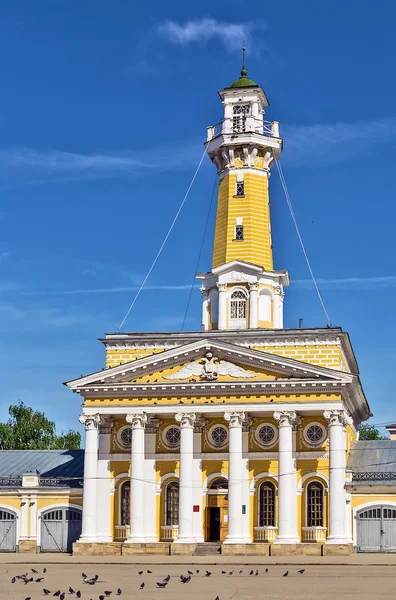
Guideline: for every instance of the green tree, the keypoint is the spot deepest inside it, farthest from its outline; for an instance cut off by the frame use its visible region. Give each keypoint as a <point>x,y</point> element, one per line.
<point>28,429</point>
<point>369,432</point>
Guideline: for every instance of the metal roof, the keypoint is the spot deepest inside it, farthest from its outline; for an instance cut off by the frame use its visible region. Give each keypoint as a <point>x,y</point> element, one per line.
<point>48,463</point>
<point>373,460</point>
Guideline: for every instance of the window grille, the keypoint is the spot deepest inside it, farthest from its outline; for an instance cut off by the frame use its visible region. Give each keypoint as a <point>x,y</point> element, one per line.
<point>219,484</point>
<point>172,436</point>
<point>126,436</point>
<point>267,504</point>
<point>238,305</point>
<point>219,436</point>
<point>315,504</point>
<point>125,503</point>
<point>266,434</point>
<point>239,232</point>
<point>315,434</point>
<point>240,188</point>
<point>239,112</point>
<point>172,504</point>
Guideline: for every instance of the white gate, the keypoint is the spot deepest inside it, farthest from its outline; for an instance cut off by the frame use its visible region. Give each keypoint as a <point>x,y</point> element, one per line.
<point>376,529</point>
<point>7,531</point>
<point>59,529</point>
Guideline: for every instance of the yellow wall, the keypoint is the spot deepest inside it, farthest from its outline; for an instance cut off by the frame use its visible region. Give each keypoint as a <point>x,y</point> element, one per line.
<point>254,210</point>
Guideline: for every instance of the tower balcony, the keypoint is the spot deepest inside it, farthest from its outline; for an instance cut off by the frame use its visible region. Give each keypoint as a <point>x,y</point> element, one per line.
<point>242,125</point>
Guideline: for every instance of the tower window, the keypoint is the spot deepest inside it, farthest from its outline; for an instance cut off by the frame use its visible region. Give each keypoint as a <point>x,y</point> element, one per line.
<point>239,232</point>
<point>239,113</point>
<point>240,188</point>
<point>238,306</point>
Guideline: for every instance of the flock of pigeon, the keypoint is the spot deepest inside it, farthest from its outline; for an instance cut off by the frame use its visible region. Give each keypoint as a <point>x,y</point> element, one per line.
<point>30,578</point>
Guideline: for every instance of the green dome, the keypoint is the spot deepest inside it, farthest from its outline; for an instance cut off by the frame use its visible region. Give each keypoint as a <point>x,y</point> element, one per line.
<point>243,81</point>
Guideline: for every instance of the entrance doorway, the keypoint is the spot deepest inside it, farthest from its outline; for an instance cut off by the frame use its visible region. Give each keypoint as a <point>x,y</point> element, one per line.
<point>214,525</point>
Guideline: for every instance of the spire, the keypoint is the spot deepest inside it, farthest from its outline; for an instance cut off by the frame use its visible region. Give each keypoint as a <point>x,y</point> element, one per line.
<point>243,70</point>
<point>243,80</point>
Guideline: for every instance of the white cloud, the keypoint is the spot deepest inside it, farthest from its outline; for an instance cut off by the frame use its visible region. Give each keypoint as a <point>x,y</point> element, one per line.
<point>350,282</point>
<point>231,35</point>
<point>333,142</point>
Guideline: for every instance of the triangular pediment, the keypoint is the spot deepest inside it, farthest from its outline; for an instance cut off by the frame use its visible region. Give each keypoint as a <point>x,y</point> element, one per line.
<point>210,361</point>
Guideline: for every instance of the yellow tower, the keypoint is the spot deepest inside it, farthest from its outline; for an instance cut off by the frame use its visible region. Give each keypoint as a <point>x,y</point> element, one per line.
<point>243,290</point>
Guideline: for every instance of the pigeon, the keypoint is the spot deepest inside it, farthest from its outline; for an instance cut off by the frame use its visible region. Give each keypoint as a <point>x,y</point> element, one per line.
<point>62,596</point>
<point>148,571</point>
<point>167,578</point>
<point>142,585</point>
<point>266,570</point>
<point>34,571</point>
<point>251,572</point>
<point>286,574</point>
<point>208,574</point>
<point>231,572</point>
<point>71,591</point>
<point>119,592</point>
<point>78,594</point>
<point>13,580</point>
<point>190,572</point>
<point>217,598</point>
<point>39,579</point>
<point>108,593</point>
<point>256,573</point>
<point>301,571</point>
<point>161,584</point>
<point>58,593</point>
<point>28,598</point>
<point>197,571</point>
<point>186,579</point>
<point>140,573</point>
<point>28,580</point>
<point>84,575</point>
<point>44,570</point>
<point>101,597</point>
<point>46,592</point>
<point>224,572</point>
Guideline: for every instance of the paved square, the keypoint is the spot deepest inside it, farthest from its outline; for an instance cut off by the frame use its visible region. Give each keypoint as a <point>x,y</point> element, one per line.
<point>324,582</point>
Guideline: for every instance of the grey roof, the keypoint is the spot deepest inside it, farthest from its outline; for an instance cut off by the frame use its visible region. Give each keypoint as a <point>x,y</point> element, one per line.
<point>48,463</point>
<point>376,457</point>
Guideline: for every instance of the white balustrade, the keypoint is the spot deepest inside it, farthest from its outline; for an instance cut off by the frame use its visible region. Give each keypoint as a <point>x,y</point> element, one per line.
<point>169,532</point>
<point>314,534</point>
<point>265,534</point>
<point>121,532</point>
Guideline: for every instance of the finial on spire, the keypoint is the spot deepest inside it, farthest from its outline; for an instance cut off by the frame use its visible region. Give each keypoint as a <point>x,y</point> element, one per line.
<point>243,70</point>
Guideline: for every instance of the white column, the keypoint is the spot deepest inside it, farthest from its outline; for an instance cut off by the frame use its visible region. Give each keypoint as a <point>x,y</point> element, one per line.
<point>337,419</point>
<point>253,305</point>
<point>104,498</point>
<point>197,481</point>
<point>246,532</point>
<point>23,531</point>
<point>150,495</point>
<point>235,533</point>
<point>287,485</point>
<point>222,320</point>
<point>205,309</point>
<point>33,517</point>
<point>137,533</point>
<point>278,307</point>
<point>227,124</point>
<point>89,524</point>
<point>186,421</point>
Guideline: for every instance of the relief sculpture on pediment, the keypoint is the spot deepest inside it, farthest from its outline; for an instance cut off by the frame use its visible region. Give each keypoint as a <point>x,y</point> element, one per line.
<point>210,367</point>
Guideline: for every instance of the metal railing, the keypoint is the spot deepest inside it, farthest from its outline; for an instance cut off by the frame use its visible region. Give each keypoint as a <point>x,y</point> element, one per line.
<point>314,534</point>
<point>10,481</point>
<point>55,482</point>
<point>265,534</point>
<point>248,124</point>
<point>374,476</point>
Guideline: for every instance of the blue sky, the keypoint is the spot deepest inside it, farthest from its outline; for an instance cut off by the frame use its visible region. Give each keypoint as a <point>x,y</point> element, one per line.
<point>104,109</point>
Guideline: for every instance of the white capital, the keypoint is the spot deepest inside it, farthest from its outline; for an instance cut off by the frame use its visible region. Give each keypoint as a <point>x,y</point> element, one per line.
<point>253,287</point>
<point>222,287</point>
<point>337,417</point>
<point>90,421</point>
<point>286,418</point>
<point>235,419</point>
<point>137,420</point>
<point>185,419</point>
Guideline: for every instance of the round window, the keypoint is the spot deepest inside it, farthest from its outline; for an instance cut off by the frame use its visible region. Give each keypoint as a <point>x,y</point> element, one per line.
<point>126,436</point>
<point>219,435</point>
<point>266,434</point>
<point>172,436</point>
<point>315,434</point>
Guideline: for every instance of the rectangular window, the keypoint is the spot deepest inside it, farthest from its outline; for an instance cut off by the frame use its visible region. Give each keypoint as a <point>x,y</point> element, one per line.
<point>239,117</point>
<point>239,232</point>
<point>240,188</point>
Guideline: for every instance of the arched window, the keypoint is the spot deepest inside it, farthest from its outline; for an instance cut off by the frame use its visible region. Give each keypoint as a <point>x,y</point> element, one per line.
<point>315,504</point>
<point>125,506</point>
<point>219,484</point>
<point>267,504</point>
<point>172,504</point>
<point>238,309</point>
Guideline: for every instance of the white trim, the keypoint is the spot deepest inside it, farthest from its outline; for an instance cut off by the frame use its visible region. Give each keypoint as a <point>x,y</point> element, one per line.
<point>117,478</point>
<point>118,440</point>
<point>307,476</point>
<point>48,509</point>
<point>165,441</point>
<point>209,440</point>
<point>162,480</point>
<point>210,478</point>
<point>259,441</point>
<point>17,513</point>
<point>257,478</point>
<point>310,443</point>
<point>363,507</point>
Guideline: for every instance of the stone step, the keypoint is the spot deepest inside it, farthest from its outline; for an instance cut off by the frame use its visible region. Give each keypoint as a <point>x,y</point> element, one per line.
<point>207,549</point>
